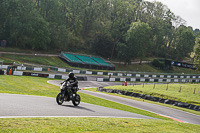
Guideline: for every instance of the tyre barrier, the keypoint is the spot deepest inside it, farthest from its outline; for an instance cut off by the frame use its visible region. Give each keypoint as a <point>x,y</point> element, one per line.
<point>151,98</point>
<point>1,72</point>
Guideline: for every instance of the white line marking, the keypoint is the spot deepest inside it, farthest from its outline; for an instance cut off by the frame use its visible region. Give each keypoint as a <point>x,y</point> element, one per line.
<point>5,117</point>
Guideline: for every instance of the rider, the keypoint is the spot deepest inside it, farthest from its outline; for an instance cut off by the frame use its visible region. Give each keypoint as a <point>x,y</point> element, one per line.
<point>73,82</point>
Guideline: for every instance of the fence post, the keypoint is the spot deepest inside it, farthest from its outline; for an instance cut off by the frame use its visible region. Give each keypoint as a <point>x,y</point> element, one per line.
<point>179,90</point>
<point>154,86</point>
<point>194,90</point>
<point>167,86</point>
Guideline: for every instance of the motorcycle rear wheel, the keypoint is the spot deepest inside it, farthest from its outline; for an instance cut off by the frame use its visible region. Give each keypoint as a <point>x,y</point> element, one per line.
<point>59,98</point>
<point>76,100</point>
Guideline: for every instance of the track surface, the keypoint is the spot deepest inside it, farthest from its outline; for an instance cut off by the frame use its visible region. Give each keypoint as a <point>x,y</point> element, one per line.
<point>13,105</point>
<point>160,110</point>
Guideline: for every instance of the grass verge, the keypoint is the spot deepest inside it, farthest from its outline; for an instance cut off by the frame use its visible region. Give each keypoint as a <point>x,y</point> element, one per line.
<point>42,60</point>
<point>178,92</point>
<point>111,125</point>
<point>138,99</point>
<point>147,67</point>
<point>17,50</point>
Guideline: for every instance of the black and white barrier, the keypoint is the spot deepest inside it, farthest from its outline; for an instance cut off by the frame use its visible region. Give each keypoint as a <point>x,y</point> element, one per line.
<point>4,66</point>
<point>111,74</point>
<point>168,80</point>
<point>133,77</point>
<point>151,98</point>
<point>53,76</point>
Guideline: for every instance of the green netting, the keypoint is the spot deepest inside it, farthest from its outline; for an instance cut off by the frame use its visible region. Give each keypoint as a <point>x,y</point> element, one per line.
<point>100,61</point>
<point>72,58</point>
<point>87,59</point>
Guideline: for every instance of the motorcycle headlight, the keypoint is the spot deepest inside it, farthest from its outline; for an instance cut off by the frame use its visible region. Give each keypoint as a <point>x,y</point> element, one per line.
<point>62,87</point>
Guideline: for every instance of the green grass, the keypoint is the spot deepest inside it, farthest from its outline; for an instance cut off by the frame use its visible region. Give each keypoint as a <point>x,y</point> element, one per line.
<point>18,50</point>
<point>97,125</point>
<point>27,86</point>
<point>38,60</point>
<point>160,90</point>
<point>147,67</point>
<point>39,86</point>
<point>136,68</point>
<point>42,60</point>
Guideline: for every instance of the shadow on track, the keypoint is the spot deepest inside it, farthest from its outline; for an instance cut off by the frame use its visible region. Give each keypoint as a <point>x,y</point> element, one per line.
<point>78,107</point>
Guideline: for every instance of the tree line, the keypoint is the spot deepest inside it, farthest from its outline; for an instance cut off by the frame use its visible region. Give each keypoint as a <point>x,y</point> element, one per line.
<point>122,29</point>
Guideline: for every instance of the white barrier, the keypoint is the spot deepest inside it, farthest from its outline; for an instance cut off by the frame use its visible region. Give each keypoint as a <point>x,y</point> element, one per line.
<point>37,68</point>
<point>18,73</point>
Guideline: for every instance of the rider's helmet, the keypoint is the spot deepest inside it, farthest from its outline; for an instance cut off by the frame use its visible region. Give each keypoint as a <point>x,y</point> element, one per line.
<point>71,75</point>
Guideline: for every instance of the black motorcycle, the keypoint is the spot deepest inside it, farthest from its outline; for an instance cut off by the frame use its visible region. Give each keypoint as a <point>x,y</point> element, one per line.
<point>67,93</point>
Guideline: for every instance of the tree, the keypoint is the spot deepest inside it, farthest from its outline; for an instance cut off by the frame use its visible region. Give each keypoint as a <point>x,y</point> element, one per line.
<point>185,42</point>
<point>197,55</point>
<point>51,10</point>
<point>71,24</point>
<point>197,33</point>
<point>25,27</point>
<point>139,39</point>
<point>59,37</point>
<point>160,19</point>
<point>3,15</point>
<point>124,53</point>
<point>102,45</point>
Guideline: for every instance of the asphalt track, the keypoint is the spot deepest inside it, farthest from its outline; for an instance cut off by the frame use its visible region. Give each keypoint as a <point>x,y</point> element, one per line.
<point>17,106</point>
<point>175,114</point>
<point>14,105</point>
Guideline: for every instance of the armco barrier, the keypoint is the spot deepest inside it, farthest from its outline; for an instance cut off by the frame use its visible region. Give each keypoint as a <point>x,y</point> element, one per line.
<point>151,98</point>
<point>53,76</point>
<point>32,74</point>
<point>136,74</point>
<point>4,66</point>
<point>145,77</point>
<point>169,80</point>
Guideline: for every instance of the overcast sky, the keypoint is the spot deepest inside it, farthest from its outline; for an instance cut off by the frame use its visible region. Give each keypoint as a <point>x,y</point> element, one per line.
<point>189,10</point>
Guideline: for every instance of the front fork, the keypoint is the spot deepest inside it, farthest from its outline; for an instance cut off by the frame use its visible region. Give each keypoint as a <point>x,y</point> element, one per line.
<point>62,94</point>
<point>67,92</point>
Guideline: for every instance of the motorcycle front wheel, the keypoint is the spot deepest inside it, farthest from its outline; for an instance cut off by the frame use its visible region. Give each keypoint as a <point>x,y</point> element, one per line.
<point>76,100</point>
<point>59,98</point>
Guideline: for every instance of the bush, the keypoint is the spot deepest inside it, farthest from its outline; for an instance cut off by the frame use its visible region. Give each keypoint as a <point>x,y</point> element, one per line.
<point>158,63</point>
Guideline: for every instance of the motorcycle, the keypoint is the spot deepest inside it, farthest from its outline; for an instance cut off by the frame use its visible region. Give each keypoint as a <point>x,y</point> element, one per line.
<point>67,93</point>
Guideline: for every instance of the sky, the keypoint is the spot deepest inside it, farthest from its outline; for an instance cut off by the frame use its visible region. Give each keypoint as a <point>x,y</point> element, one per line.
<point>189,10</point>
